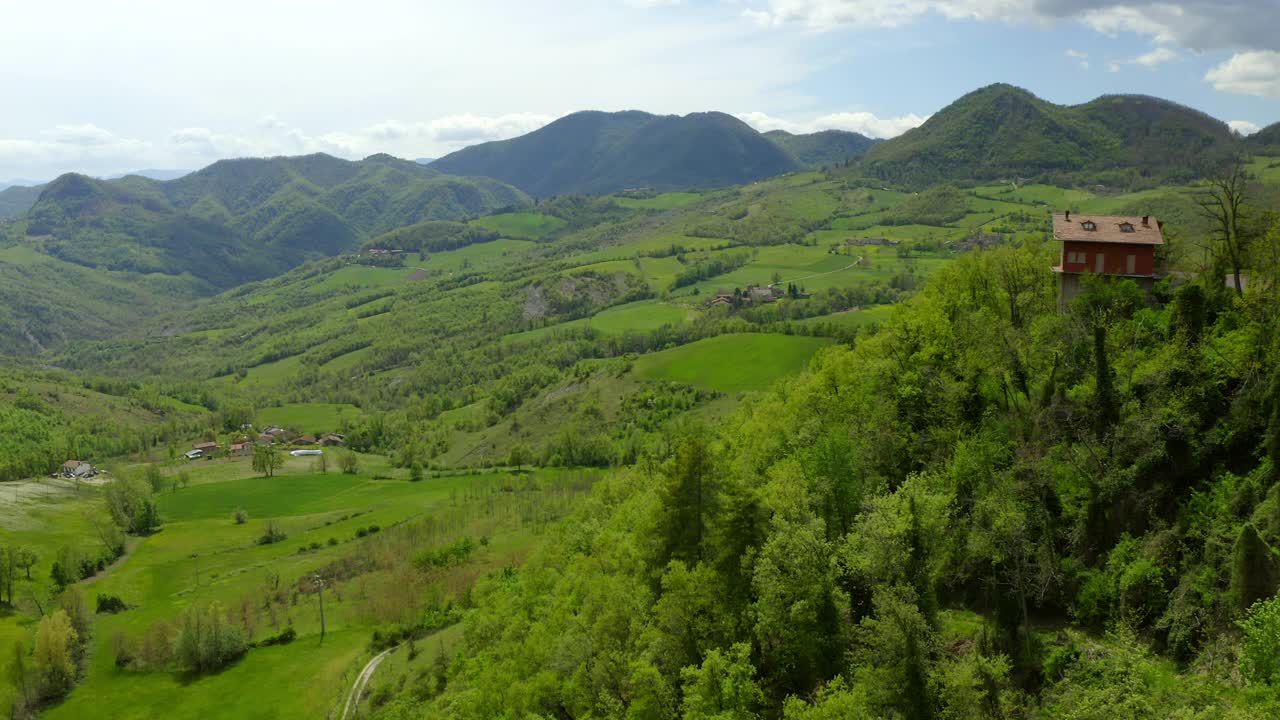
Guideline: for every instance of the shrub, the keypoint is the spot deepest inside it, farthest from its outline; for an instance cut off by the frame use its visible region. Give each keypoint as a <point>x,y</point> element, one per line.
<point>272,535</point>
<point>111,604</point>
<point>240,516</point>
<point>1260,651</point>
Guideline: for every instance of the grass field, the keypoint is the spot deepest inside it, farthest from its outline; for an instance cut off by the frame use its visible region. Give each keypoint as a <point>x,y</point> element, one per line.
<point>852,318</point>
<point>521,225</point>
<point>201,556</point>
<point>640,316</point>
<point>480,255</point>
<point>309,417</point>
<point>665,201</point>
<point>732,363</point>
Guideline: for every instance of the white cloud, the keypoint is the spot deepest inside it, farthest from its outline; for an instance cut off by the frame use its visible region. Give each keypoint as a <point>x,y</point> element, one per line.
<point>866,123</point>
<point>1196,24</point>
<point>1248,73</point>
<point>1081,57</point>
<point>1159,56</point>
<point>1244,127</point>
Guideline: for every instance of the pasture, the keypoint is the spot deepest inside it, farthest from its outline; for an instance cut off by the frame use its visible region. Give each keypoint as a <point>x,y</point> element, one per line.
<point>201,556</point>
<point>732,363</point>
<point>308,417</point>
<point>521,225</point>
<point>664,201</point>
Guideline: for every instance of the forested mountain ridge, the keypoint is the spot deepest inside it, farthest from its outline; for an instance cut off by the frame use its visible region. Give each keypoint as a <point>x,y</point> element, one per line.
<point>240,220</point>
<point>1005,132</point>
<point>597,153</point>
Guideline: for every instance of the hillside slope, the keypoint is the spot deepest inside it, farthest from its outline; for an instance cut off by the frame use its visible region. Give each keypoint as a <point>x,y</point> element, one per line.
<point>1002,131</point>
<point>597,153</point>
<point>240,220</point>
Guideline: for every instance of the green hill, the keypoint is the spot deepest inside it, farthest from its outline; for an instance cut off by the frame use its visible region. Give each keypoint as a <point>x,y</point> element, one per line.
<point>1265,142</point>
<point>1002,132</point>
<point>240,220</point>
<point>819,149</point>
<point>18,199</point>
<point>598,153</point>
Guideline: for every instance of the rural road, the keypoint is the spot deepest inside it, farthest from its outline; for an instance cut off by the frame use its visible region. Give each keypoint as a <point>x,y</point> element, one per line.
<point>829,272</point>
<point>353,700</point>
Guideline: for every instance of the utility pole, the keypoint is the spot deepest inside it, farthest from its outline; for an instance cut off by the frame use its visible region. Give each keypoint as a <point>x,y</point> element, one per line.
<point>319,581</point>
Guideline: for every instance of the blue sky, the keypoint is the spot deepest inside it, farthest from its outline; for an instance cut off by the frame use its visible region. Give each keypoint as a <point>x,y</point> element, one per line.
<point>107,87</point>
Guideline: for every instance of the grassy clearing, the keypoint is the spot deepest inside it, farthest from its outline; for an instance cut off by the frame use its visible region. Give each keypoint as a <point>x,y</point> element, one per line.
<point>863,317</point>
<point>732,363</point>
<point>665,201</point>
<point>521,225</point>
<point>310,417</point>
<point>478,256</point>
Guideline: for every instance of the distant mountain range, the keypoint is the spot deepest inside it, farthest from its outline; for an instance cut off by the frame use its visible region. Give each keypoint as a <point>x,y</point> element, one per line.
<point>1002,131</point>
<point>598,152</point>
<point>240,220</point>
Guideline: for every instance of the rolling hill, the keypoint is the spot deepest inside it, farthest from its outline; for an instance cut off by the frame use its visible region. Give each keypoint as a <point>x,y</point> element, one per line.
<point>598,153</point>
<point>240,220</point>
<point>1003,131</point>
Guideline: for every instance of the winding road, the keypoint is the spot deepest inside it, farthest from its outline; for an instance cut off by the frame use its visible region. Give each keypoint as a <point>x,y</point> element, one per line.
<point>362,680</point>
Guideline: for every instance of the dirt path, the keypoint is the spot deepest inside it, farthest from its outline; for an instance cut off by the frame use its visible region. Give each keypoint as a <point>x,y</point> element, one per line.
<point>853,264</point>
<point>362,680</point>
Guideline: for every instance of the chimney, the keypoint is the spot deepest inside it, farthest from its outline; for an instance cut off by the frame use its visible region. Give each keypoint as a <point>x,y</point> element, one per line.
<point>1068,216</point>
<point>1146,221</point>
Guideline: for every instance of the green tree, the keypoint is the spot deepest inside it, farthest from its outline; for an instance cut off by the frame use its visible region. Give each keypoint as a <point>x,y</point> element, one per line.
<point>348,462</point>
<point>153,477</point>
<point>687,501</point>
<point>1260,649</point>
<point>1255,573</point>
<point>723,687</point>
<point>54,660</point>
<point>266,460</point>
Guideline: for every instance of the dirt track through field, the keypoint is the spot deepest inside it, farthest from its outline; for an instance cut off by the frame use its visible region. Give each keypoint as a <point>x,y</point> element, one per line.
<point>362,680</point>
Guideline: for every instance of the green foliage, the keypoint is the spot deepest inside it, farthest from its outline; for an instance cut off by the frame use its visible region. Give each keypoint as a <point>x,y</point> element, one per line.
<point>723,687</point>
<point>1260,650</point>
<point>206,641</point>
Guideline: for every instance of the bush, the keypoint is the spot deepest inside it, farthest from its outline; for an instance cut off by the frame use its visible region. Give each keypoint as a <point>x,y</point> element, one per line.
<point>240,516</point>
<point>207,641</point>
<point>111,604</point>
<point>1260,651</point>
<point>272,535</point>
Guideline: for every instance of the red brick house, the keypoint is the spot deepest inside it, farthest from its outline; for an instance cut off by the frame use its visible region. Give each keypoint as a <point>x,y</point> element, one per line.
<point>1112,245</point>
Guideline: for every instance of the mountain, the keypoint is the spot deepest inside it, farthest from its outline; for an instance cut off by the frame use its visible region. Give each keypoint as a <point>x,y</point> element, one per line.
<point>1002,131</point>
<point>152,173</point>
<point>247,219</point>
<point>826,147</point>
<point>597,153</point>
<point>424,160</point>
<point>17,199</point>
<point>1266,141</point>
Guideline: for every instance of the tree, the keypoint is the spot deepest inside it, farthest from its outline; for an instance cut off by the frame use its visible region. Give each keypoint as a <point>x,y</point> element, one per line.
<point>25,559</point>
<point>1224,203</point>
<point>723,687</point>
<point>54,663</point>
<point>266,460</point>
<point>520,456</point>
<point>415,473</point>
<point>349,462</point>
<point>153,477</point>
<point>687,497</point>
<point>1255,574</point>
<point>1260,650</point>
<point>132,507</point>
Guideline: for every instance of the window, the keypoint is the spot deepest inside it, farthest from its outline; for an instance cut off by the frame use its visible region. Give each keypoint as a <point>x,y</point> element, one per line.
<point>1133,264</point>
<point>1088,225</point>
<point>1077,257</point>
<point>1126,227</point>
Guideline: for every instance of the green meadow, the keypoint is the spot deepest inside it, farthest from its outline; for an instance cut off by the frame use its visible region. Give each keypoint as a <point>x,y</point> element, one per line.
<point>732,363</point>
<point>521,225</point>
<point>310,417</point>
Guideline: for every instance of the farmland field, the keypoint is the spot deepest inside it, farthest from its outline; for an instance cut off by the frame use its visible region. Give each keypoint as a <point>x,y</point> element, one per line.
<point>521,225</point>
<point>732,363</point>
<point>665,201</point>
<point>309,417</point>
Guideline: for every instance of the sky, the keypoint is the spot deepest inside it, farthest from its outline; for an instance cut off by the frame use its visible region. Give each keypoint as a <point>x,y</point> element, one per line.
<point>108,87</point>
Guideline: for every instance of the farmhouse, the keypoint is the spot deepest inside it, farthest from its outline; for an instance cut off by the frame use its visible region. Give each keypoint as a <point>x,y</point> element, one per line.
<point>241,448</point>
<point>76,469</point>
<point>1117,246</point>
<point>205,448</point>
<point>330,439</point>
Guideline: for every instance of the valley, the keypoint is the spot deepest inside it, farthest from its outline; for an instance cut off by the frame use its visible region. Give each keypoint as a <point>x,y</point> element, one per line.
<point>799,427</point>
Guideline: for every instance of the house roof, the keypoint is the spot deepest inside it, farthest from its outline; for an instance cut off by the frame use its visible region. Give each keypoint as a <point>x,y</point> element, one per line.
<point>71,464</point>
<point>204,445</point>
<point>1071,226</point>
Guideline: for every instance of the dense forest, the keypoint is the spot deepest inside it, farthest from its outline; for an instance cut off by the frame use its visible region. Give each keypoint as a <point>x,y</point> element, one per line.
<point>989,509</point>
